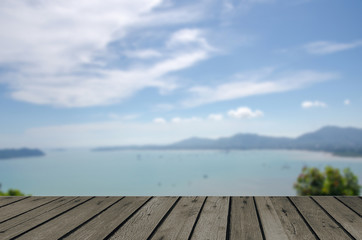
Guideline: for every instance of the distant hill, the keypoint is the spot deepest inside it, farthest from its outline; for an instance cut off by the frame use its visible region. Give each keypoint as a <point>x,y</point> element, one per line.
<point>340,141</point>
<point>19,153</point>
<point>337,140</point>
<point>239,141</point>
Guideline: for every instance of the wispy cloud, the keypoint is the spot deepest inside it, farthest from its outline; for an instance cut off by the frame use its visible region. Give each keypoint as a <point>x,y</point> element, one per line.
<point>245,112</point>
<point>159,120</point>
<point>347,102</point>
<point>264,81</point>
<point>186,120</point>
<point>71,61</point>
<point>216,117</point>
<point>121,117</point>
<point>106,87</point>
<point>325,47</point>
<point>143,53</point>
<point>312,104</point>
<point>188,36</point>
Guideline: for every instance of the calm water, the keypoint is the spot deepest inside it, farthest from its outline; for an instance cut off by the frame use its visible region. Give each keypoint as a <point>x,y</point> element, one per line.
<point>82,172</point>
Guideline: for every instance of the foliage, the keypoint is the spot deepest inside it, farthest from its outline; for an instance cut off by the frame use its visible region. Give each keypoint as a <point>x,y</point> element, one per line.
<point>330,182</point>
<point>11,192</point>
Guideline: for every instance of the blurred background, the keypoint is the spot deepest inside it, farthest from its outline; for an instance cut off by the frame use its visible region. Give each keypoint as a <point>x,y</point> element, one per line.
<point>164,97</point>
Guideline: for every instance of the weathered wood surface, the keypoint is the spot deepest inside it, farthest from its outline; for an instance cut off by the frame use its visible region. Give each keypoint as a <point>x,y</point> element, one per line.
<point>244,223</point>
<point>181,220</point>
<point>168,218</point>
<point>353,203</point>
<point>343,215</point>
<point>145,221</point>
<point>8,200</point>
<point>212,223</point>
<point>322,224</point>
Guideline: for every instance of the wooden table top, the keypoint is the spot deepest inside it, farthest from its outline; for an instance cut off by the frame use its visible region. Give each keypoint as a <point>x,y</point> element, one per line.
<point>197,217</point>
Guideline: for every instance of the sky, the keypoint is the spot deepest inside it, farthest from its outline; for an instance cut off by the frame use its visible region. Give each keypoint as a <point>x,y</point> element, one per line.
<point>105,72</point>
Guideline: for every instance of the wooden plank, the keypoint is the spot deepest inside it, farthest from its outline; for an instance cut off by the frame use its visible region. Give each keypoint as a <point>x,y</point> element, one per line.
<point>343,215</point>
<point>106,222</point>
<point>26,226</point>
<point>25,205</point>
<point>9,199</point>
<point>143,223</point>
<point>66,222</point>
<point>179,223</point>
<point>354,203</point>
<point>272,226</point>
<point>292,222</point>
<point>212,223</point>
<point>34,213</point>
<point>244,223</point>
<point>318,220</point>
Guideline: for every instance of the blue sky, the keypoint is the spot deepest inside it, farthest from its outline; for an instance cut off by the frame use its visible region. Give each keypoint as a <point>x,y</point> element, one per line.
<point>98,73</point>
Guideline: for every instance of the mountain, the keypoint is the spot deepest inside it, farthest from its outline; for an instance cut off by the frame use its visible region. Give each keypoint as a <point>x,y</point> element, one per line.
<point>19,153</point>
<point>239,141</point>
<point>340,141</point>
<point>332,137</point>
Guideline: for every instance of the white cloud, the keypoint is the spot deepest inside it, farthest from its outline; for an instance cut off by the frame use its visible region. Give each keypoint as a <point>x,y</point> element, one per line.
<point>107,87</point>
<point>256,83</point>
<point>347,102</point>
<point>311,104</point>
<point>60,35</point>
<point>176,120</point>
<point>159,120</point>
<point>215,117</point>
<point>187,36</point>
<point>245,112</point>
<point>324,47</point>
<point>143,54</point>
<point>61,51</point>
<point>185,120</point>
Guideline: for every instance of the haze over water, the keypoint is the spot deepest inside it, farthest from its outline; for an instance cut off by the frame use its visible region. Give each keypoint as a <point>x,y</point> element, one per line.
<point>128,173</point>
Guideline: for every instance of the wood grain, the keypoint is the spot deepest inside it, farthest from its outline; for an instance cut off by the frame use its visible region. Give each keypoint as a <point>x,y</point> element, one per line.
<point>6,200</point>
<point>179,223</point>
<point>105,223</point>
<point>290,219</point>
<point>23,206</point>
<point>244,223</point>
<point>212,223</point>
<point>70,220</point>
<point>41,219</point>
<point>346,217</point>
<point>272,226</point>
<point>318,220</point>
<point>354,203</point>
<point>142,224</point>
<point>163,218</point>
<point>33,213</point>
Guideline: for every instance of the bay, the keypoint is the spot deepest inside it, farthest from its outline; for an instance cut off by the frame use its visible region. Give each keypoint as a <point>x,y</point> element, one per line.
<point>135,173</point>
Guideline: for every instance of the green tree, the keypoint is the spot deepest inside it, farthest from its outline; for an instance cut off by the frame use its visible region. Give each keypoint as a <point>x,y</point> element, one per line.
<point>330,182</point>
<point>11,192</point>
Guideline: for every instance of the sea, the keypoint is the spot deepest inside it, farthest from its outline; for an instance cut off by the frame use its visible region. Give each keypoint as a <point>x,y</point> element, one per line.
<point>165,173</point>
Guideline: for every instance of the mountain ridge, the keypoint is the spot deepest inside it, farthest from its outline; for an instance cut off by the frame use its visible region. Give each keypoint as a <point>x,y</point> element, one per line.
<point>346,141</point>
